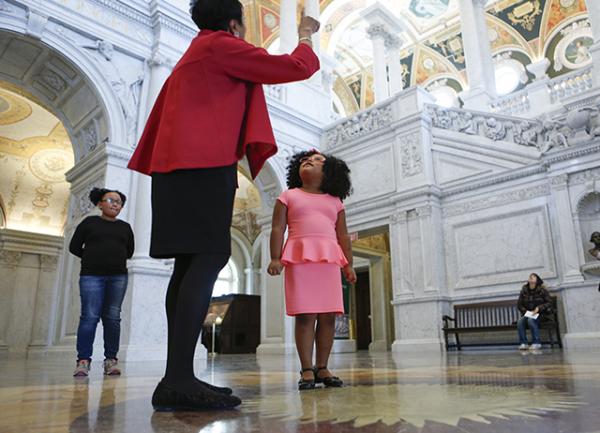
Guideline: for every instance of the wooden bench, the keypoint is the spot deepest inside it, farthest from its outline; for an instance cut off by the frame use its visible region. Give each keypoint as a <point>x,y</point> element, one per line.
<point>495,316</point>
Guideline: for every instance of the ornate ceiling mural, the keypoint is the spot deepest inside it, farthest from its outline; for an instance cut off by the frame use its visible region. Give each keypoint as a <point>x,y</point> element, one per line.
<point>35,153</point>
<point>247,208</point>
<point>433,49</point>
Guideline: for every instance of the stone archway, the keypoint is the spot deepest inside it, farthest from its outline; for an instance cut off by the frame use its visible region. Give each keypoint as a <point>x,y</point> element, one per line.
<point>70,84</point>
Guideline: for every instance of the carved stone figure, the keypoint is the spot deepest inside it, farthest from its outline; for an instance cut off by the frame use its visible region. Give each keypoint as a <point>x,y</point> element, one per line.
<point>126,93</point>
<point>494,129</point>
<point>526,133</point>
<point>553,135</point>
<point>467,124</point>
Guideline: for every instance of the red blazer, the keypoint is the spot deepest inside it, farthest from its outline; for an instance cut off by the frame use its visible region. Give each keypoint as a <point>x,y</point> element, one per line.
<point>212,111</point>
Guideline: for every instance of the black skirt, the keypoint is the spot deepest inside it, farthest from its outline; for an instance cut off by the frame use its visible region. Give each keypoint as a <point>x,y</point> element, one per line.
<point>192,211</point>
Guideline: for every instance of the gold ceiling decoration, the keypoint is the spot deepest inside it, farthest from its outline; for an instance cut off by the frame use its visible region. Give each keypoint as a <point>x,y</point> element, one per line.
<point>12,108</point>
<point>524,15</point>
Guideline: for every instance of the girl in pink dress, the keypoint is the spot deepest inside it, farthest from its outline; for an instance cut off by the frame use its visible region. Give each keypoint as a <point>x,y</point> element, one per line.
<point>317,247</point>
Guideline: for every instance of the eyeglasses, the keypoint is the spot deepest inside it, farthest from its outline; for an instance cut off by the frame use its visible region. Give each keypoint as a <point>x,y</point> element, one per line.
<point>316,158</point>
<point>112,200</point>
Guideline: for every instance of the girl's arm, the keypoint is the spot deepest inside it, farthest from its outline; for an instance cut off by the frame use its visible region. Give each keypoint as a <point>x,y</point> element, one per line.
<point>277,232</point>
<point>78,239</point>
<point>341,231</point>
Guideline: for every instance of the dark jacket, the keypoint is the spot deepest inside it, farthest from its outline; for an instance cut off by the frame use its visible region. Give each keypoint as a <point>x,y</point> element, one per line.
<point>530,299</point>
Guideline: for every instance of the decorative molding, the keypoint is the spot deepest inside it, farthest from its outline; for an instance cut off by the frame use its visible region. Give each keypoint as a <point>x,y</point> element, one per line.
<point>48,262</point>
<point>585,176</point>
<point>559,181</point>
<point>412,155</point>
<point>497,200</point>
<point>399,218</point>
<point>495,180</point>
<point>10,259</point>
<point>358,126</point>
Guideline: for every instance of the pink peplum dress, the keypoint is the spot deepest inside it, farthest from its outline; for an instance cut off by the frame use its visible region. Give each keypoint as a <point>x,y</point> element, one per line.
<point>312,256</point>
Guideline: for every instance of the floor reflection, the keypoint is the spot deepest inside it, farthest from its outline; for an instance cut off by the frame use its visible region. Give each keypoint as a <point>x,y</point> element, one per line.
<point>485,392</point>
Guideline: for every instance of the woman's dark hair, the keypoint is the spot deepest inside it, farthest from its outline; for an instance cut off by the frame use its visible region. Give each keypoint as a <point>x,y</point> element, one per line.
<point>96,195</point>
<point>539,283</point>
<point>216,14</point>
<point>336,174</point>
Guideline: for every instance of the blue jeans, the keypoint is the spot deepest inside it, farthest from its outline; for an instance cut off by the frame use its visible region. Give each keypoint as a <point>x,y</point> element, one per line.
<point>101,298</point>
<point>534,325</point>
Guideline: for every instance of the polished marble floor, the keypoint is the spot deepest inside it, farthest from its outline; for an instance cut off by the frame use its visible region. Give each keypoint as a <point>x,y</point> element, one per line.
<point>487,392</point>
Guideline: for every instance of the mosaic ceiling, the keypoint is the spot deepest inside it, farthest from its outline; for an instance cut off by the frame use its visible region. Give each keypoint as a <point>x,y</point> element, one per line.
<point>520,32</point>
<point>35,153</point>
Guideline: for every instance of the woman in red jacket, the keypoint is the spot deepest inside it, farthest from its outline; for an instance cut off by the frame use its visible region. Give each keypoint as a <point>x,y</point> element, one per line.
<point>210,112</point>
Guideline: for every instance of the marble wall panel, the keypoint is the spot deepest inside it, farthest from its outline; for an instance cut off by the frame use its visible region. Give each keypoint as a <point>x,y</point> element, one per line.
<point>501,247</point>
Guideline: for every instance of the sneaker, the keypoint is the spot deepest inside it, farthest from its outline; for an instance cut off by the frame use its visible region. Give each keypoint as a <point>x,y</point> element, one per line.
<point>523,347</point>
<point>111,367</point>
<point>82,369</point>
<point>535,346</point>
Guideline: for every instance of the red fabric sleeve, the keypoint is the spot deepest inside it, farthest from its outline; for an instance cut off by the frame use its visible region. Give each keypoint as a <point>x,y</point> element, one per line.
<point>244,61</point>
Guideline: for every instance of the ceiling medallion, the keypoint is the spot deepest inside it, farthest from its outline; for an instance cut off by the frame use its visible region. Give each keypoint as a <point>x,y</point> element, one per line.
<point>524,14</point>
<point>50,165</point>
<point>567,4</point>
<point>12,108</point>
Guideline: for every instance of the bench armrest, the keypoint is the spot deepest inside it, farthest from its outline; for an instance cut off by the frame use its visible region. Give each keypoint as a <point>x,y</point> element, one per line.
<point>446,319</point>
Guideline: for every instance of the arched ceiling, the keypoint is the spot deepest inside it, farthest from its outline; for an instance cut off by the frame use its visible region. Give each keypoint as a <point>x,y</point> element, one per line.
<point>523,30</point>
<point>35,153</point>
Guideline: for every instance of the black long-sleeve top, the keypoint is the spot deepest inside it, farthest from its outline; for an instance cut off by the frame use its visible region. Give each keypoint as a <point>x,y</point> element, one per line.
<point>104,246</point>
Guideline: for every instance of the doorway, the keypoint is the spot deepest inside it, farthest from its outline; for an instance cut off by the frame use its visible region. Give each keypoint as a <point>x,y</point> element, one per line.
<point>362,290</point>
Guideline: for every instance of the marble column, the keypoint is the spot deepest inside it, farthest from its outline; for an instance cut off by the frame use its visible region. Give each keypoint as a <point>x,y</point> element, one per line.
<point>478,55</point>
<point>148,278</point>
<point>288,28</point>
<point>593,7</point>
<point>383,24</point>
<point>377,34</point>
<point>393,44</point>
<point>160,69</point>
<point>569,249</point>
<point>312,9</point>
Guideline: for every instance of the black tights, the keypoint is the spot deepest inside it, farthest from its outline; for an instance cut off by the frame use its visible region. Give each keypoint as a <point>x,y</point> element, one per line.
<point>188,298</point>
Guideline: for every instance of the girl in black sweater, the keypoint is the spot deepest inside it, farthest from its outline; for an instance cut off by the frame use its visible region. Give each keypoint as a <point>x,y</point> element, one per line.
<point>104,244</point>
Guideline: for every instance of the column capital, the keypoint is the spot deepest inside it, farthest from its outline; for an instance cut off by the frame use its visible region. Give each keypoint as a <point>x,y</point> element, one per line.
<point>159,59</point>
<point>393,41</point>
<point>377,31</point>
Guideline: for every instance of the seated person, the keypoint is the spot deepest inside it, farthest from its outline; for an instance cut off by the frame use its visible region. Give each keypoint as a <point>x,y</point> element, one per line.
<point>534,300</point>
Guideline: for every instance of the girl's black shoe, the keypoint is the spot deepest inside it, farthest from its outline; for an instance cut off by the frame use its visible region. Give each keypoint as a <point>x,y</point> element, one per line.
<point>331,381</point>
<point>304,384</point>
<point>214,388</point>
<point>167,399</point>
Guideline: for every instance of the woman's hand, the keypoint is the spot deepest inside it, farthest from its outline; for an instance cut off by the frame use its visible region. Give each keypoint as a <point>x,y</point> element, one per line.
<point>275,267</point>
<point>308,26</point>
<point>349,274</point>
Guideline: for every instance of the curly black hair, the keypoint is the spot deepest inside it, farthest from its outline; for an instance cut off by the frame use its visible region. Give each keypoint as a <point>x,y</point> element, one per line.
<point>96,195</point>
<point>336,174</point>
<point>216,14</point>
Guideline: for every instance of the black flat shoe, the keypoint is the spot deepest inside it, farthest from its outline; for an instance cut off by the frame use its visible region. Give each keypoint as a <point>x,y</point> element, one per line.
<point>331,381</point>
<point>304,384</point>
<point>214,388</point>
<point>167,399</point>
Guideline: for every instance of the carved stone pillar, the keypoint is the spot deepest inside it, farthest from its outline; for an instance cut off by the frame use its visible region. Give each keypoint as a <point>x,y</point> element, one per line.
<point>478,55</point>
<point>288,34</point>
<point>377,33</point>
<point>393,45</point>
